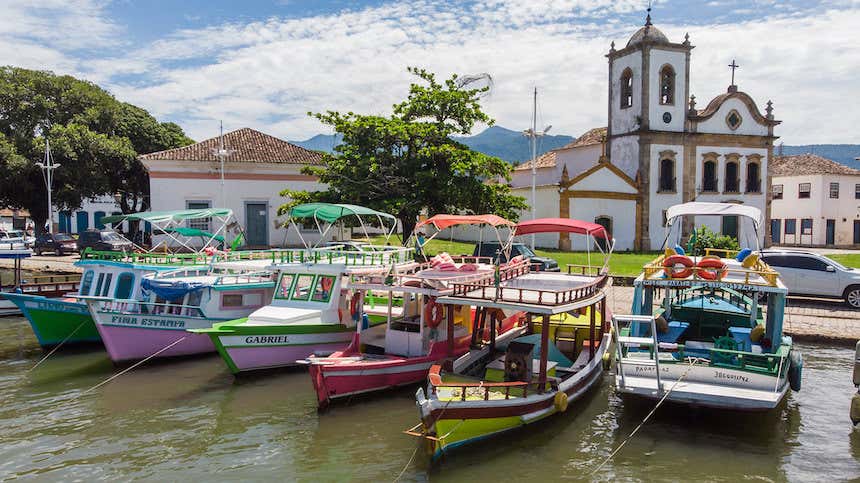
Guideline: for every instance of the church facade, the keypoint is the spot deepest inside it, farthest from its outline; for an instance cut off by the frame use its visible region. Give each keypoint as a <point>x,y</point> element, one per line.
<point>657,150</point>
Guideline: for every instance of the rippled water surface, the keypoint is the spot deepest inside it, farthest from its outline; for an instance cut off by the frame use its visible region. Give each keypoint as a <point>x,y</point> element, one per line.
<point>190,419</point>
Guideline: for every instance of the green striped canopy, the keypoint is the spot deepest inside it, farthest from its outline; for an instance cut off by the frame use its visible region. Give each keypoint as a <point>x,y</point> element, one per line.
<point>185,231</point>
<point>166,216</point>
<point>331,212</point>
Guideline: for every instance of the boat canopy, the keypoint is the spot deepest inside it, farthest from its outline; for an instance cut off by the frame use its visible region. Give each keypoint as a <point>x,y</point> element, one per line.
<point>159,217</point>
<point>561,225</point>
<point>185,231</point>
<point>441,222</point>
<point>331,213</point>
<point>171,290</point>
<point>170,226</point>
<point>701,208</point>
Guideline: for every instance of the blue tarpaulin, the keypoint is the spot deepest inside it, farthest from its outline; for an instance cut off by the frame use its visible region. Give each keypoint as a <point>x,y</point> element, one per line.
<point>171,290</point>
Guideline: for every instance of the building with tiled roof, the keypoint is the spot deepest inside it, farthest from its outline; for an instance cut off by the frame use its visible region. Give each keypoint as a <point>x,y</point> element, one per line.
<point>816,202</point>
<point>257,168</point>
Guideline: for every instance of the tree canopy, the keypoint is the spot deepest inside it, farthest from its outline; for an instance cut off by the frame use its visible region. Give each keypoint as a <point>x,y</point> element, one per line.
<point>408,162</point>
<point>95,138</point>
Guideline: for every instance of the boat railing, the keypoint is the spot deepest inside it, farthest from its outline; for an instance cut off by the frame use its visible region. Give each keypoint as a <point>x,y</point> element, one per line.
<point>488,290</point>
<point>484,388</point>
<point>137,307</point>
<point>412,276</point>
<point>760,273</point>
<point>731,297</point>
<point>244,278</point>
<point>588,270</point>
<point>47,284</point>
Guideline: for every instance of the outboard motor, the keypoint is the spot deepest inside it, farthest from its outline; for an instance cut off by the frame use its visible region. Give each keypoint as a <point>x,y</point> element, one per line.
<point>518,362</point>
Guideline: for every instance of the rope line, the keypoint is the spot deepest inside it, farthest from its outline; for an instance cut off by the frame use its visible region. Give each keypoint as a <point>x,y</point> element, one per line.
<point>133,366</point>
<point>57,346</point>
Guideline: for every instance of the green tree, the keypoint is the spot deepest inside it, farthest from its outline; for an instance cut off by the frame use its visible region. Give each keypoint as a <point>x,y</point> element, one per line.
<point>407,162</point>
<point>93,136</point>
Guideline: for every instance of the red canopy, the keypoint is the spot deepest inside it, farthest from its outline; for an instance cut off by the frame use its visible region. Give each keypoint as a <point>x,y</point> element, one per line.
<point>440,222</point>
<point>561,225</point>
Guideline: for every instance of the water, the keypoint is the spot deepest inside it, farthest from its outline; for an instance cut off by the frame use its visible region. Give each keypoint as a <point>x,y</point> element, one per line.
<point>191,419</point>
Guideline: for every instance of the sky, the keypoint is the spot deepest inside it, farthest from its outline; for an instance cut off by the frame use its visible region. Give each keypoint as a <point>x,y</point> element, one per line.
<point>265,65</point>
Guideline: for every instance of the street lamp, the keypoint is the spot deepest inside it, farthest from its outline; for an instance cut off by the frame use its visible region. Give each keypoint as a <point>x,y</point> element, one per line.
<point>48,168</point>
<point>532,133</point>
<point>221,153</point>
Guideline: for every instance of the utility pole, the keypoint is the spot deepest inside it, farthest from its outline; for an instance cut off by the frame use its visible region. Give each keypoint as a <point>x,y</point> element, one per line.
<point>532,133</point>
<point>221,153</point>
<point>48,168</point>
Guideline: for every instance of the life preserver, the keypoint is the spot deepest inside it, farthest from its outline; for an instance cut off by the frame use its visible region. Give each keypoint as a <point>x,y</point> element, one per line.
<point>353,306</point>
<point>432,312</point>
<point>669,266</point>
<point>716,264</point>
<point>560,401</point>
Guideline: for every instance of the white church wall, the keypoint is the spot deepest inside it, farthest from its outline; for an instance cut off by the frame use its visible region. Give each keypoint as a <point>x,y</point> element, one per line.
<point>621,212</point>
<point>625,154</point>
<point>578,159</point>
<point>717,123</point>
<point>624,120</point>
<point>677,109</point>
<point>604,180</point>
<point>522,178</point>
<point>662,201</point>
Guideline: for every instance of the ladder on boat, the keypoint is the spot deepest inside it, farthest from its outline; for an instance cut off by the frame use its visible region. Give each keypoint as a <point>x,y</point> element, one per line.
<point>633,341</point>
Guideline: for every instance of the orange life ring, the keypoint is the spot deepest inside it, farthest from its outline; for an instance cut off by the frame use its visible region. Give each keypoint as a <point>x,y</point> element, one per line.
<point>353,305</point>
<point>669,266</point>
<point>716,274</point>
<point>432,312</point>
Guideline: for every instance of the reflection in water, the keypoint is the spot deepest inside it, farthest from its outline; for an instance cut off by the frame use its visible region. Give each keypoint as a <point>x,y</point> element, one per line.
<point>191,419</point>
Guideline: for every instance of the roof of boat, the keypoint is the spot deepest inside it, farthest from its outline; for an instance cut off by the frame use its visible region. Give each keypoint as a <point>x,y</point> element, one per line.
<point>15,253</point>
<point>331,212</point>
<point>561,225</point>
<point>163,216</point>
<point>702,208</point>
<point>442,221</point>
<point>128,265</point>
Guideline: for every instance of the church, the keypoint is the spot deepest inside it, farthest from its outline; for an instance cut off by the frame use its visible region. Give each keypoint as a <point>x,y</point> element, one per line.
<point>657,150</point>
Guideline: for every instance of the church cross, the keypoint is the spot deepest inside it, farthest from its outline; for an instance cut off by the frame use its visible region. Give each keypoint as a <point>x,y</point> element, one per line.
<point>734,66</point>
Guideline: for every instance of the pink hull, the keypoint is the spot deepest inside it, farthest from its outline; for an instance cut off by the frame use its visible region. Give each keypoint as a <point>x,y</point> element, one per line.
<point>256,358</point>
<point>332,382</point>
<point>133,343</point>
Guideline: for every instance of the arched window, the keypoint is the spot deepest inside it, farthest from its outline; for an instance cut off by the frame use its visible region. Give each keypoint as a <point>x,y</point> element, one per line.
<point>606,223</point>
<point>753,178</point>
<point>124,286</point>
<point>626,88</point>
<point>667,175</point>
<point>709,177</point>
<point>732,181</point>
<point>667,85</point>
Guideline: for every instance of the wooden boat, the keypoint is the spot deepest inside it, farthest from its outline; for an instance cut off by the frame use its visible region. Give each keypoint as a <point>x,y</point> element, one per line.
<point>47,286</point>
<point>715,339</point>
<point>529,374</point>
<point>414,337</point>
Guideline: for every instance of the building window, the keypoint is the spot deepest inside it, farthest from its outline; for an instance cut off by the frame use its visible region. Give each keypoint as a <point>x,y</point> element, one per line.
<point>857,191</point>
<point>790,226</point>
<point>834,190</point>
<point>667,175</point>
<point>709,177</point>
<point>606,223</point>
<point>626,88</point>
<point>667,85</point>
<point>734,120</point>
<point>804,190</point>
<point>199,223</point>
<point>732,181</point>
<point>753,178</point>
<point>777,191</point>
<point>806,226</point>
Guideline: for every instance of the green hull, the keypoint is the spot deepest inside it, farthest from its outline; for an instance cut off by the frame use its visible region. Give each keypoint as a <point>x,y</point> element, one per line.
<point>54,321</point>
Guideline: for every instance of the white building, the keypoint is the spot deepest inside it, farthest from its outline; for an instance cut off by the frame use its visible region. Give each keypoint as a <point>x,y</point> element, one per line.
<point>258,168</point>
<point>657,151</point>
<point>89,215</point>
<point>816,202</point>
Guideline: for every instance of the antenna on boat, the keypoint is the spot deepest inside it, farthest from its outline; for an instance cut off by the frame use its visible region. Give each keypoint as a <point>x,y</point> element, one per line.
<point>532,133</point>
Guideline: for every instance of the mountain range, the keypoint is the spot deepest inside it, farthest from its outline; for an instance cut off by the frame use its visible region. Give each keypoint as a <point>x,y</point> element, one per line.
<point>514,148</point>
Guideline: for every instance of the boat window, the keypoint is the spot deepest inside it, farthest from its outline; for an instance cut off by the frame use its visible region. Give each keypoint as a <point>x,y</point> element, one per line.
<point>106,286</point>
<point>284,286</point>
<point>302,290</point>
<point>194,298</point>
<point>86,283</point>
<point>124,284</point>
<point>99,283</point>
<point>322,291</point>
<point>231,300</point>
<point>253,299</point>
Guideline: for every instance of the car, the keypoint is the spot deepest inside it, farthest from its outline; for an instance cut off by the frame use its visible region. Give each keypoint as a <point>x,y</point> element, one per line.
<point>493,250</point>
<point>814,275</point>
<point>13,239</point>
<point>59,243</point>
<point>103,240</point>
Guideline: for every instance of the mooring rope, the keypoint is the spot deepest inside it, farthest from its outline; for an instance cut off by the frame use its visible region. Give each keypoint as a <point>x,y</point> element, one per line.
<point>654,410</point>
<point>58,346</point>
<point>138,363</point>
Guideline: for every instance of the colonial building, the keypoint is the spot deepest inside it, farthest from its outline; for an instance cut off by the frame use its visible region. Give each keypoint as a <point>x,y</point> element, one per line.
<point>816,202</point>
<point>658,149</point>
<point>257,167</point>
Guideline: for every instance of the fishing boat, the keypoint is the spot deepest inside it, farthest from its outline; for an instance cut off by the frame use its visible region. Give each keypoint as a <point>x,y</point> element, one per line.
<point>169,303</point>
<point>529,374</point>
<point>49,286</point>
<point>716,338</point>
<point>414,337</point>
<point>313,310</point>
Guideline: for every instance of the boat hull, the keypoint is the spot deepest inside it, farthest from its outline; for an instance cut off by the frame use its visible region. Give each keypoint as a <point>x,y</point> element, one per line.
<point>333,383</point>
<point>131,337</point>
<point>56,320</point>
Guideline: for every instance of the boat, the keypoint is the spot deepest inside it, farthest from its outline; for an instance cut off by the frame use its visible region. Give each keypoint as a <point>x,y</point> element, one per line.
<point>414,337</point>
<point>48,286</point>
<point>168,303</point>
<point>313,310</point>
<point>715,340</point>
<point>529,374</point>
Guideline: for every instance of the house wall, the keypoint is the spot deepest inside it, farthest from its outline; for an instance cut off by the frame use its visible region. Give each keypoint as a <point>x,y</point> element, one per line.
<point>819,207</point>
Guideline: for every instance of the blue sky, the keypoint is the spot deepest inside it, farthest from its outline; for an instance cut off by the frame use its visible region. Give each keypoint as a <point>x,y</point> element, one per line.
<point>266,64</point>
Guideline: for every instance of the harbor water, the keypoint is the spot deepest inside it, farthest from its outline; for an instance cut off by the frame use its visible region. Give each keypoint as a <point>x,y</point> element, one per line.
<point>190,419</point>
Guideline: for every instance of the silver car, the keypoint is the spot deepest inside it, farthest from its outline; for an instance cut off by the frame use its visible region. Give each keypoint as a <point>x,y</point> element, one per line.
<point>814,275</point>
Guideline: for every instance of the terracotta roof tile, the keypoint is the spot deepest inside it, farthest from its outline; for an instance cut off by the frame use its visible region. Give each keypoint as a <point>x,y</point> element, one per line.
<point>545,160</point>
<point>548,159</point>
<point>247,146</point>
<point>807,164</point>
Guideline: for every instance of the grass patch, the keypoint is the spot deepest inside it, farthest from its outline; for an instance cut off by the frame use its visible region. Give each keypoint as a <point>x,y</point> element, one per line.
<point>847,259</point>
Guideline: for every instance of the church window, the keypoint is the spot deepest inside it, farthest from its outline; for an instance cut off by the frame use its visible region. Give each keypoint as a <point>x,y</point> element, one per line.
<point>626,88</point>
<point>777,191</point>
<point>734,120</point>
<point>709,177</point>
<point>667,85</point>
<point>834,190</point>
<point>606,223</point>
<point>667,175</point>
<point>804,190</point>
<point>732,181</point>
<point>753,178</point>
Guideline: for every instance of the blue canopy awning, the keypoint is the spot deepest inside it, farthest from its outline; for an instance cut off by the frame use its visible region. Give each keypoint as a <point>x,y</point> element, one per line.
<point>171,290</point>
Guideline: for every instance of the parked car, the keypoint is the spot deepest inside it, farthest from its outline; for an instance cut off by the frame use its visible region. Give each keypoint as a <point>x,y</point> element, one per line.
<point>493,250</point>
<point>59,243</point>
<point>811,274</point>
<point>14,239</point>
<point>106,240</point>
